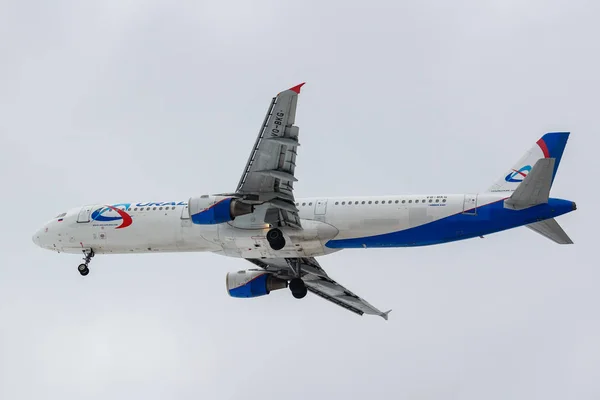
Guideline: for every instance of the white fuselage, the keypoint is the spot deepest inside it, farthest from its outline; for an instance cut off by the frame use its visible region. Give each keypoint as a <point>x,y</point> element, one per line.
<point>167,227</point>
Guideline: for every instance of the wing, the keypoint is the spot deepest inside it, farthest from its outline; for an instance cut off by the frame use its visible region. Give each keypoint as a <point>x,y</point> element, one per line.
<point>269,173</point>
<point>318,282</point>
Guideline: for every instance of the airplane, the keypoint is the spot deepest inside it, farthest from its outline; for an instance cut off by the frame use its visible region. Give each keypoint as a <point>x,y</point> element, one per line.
<point>264,222</point>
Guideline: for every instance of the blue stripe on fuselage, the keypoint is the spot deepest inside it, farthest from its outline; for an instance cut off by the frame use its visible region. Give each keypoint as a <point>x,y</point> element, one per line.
<point>489,219</point>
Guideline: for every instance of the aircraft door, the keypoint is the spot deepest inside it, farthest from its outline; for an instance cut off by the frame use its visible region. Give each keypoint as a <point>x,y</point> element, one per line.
<point>321,207</point>
<point>84,214</point>
<point>185,212</point>
<point>470,204</point>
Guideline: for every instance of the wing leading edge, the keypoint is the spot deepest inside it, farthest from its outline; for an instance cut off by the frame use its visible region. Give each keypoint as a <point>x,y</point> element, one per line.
<point>318,282</point>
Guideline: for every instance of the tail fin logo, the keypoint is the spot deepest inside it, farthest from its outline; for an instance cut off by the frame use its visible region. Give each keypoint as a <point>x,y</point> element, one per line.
<point>518,175</point>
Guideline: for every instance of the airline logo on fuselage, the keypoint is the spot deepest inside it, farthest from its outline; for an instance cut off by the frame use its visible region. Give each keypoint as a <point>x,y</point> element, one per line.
<point>113,213</point>
<point>172,203</point>
<point>118,212</point>
<point>518,175</point>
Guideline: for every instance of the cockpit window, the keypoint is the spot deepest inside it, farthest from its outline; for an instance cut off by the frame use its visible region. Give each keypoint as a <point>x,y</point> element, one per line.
<point>61,215</point>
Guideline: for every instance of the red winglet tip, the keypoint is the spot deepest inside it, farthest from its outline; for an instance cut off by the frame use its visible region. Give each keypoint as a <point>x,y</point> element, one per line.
<point>297,87</point>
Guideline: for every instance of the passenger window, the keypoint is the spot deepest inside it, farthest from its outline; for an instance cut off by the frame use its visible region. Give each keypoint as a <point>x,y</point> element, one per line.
<point>370,201</point>
<point>337,202</point>
<point>416,201</point>
<point>343,203</point>
<point>356,202</point>
<point>444,200</point>
<point>437,200</point>
<point>303,204</point>
<point>147,208</point>
<point>403,201</point>
<point>154,208</point>
<point>363,202</point>
<point>310,204</point>
<point>397,201</point>
<point>376,201</point>
<point>410,201</point>
<point>160,208</point>
<point>430,200</point>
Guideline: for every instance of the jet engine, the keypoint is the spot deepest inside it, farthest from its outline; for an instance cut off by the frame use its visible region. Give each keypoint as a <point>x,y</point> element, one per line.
<point>251,283</point>
<point>207,210</point>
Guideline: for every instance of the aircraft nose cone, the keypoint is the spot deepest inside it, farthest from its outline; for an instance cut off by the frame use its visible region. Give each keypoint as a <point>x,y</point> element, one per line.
<point>36,238</point>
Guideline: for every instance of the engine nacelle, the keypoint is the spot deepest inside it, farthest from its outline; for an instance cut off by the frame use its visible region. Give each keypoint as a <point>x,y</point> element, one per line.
<point>207,210</point>
<point>252,283</point>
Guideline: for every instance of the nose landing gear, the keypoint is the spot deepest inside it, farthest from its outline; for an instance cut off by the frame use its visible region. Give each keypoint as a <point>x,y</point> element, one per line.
<point>83,268</point>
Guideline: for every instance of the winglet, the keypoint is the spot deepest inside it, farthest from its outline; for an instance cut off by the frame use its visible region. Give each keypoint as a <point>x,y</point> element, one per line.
<point>384,315</point>
<point>297,87</point>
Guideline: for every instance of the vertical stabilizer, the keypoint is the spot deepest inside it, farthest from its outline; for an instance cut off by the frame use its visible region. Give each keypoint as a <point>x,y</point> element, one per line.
<point>551,145</point>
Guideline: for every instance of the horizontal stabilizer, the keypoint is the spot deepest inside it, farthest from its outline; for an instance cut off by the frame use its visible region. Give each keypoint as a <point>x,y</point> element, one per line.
<point>552,230</point>
<point>535,188</point>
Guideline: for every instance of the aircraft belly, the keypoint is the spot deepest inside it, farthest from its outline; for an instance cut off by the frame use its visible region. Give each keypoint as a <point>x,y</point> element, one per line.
<point>155,236</point>
<point>194,237</point>
<point>252,243</point>
<point>372,221</point>
<point>145,235</point>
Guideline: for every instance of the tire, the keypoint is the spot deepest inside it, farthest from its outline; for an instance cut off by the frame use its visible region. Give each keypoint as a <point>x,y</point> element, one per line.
<point>84,272</point>
<point>276,239</point>
<point>274,234</point>
<point>298,288</point>
<point>301,293</point>
<point>278,245</point>
<point>82,267</point>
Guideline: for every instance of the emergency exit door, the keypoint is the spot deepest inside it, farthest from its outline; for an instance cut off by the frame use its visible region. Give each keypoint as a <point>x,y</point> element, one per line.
<point>321,207</point>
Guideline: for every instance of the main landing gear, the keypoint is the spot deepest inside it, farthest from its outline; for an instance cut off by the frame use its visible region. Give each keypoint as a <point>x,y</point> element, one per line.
<point>276,239</point>
<point>298,288</point>
<point>83,268</point>
<point>297,285</point>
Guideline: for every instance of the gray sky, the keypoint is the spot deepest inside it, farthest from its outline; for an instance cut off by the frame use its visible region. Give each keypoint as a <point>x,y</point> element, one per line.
<point>130,100</point>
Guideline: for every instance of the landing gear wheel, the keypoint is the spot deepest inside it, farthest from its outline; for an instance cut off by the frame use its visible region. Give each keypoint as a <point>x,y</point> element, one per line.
<point>298,288</point>
<point>276,239</point>
<point>83,269</point>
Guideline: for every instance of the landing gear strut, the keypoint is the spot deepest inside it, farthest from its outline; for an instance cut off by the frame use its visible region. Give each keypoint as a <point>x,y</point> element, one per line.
<point>276,239</point>
<point>83,268</point>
